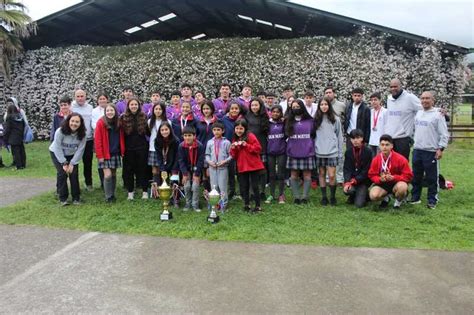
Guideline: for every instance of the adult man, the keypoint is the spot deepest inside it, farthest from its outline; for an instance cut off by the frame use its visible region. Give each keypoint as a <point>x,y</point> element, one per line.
<point>400,117</point>
<point>81,106</point>
<point>220,103</point>
<point>287,92</point>
<point>127,93</point>
<point>357,116</point>
<point>431,138</point>
<point>338,106</point>
<point>245,96</point>
<point>390,173</point>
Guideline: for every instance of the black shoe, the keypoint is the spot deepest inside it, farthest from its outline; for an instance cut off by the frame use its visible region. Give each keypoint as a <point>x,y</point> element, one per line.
<point>256,210</point>
<point>247,208</point>
<point>304,201</point>
<point>333,201</point>
<point>350,201</point>
<point>297,201</point>
<point>431,205</point>
<point>385,202</point>
<point>324,201</point>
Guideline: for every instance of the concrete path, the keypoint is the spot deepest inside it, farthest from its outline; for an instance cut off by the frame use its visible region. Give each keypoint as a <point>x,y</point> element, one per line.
<point>14,189</point>
<point>57,271</point>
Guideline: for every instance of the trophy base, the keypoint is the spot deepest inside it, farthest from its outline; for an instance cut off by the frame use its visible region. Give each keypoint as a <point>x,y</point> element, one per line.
<point>166,216</point>
<point>213,220</point>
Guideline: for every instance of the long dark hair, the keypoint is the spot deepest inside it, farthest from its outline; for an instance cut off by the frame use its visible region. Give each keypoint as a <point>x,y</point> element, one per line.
<point>261,114</point>
<point>127,119</point>
<point>243,123</point>
<point>12,110</point>
<point>161,142</point>
<point>153,118</point>
<point>242,110</point>
<point>114,122</point>
<point>65,129</point>
<point>210,105</point>
<point>319,113</point>
<point>289,127</point>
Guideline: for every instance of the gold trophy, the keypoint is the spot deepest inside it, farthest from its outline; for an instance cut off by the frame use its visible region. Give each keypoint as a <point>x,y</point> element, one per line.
<point>165,194</point>
<point>214,198</point>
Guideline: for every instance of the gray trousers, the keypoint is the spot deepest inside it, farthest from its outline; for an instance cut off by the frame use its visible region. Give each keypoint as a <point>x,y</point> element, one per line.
<point>219,179</point>
<point>191,193</point>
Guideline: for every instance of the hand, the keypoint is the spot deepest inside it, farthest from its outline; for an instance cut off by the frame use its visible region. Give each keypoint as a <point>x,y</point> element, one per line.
<point>244,143</point>
<point>185,180</point>
<point>212,164</point>
<point>70,169</point>
<point>389,177</point>
<point>439,154</point>
<point>347,186</point>
<point>382,177</point>
<point>65,168</point>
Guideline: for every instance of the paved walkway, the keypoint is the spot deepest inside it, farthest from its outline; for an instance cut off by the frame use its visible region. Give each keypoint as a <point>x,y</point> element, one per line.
<point>14,189</point>
<point>57,271</point>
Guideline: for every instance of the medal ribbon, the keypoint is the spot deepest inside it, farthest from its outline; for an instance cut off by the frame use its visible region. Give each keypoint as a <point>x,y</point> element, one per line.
<point>376,118</point>
<point>385,163</point>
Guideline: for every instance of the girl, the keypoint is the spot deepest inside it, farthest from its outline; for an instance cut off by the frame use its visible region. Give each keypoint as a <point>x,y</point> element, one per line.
<point>328,146</point>
<point>109,145</point>
<point>186,118</point>
<point>134,125</point>
<point>66,152</point>
<point>13,135</point>
<point>158,117</point>
<point>258,124</point>
<point>246,149</point>
<point>97,113</point>
<point>276,151</point>
<point>300,148</point>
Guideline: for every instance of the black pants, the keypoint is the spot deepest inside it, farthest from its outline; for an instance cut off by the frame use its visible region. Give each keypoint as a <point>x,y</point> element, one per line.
<point>425,164</point>
<point>402,146</point>
<point>62,177</point>
<point>245,179</point>
<point>134,167</point>
<point>359,195</point>
<point>19,155</point>
<point>232,174</point>
<point>276,172</point>
<point>87,160</point>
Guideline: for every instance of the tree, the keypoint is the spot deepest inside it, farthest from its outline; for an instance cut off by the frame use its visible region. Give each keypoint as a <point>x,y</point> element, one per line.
<point>15,24</point>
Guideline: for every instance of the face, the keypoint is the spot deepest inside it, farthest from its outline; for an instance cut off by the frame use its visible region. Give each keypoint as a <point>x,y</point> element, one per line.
<point>224,91</point>
<point>329,94</point>
<point>80,97</point>
<point>102,101</point>
<point>356,98</point>
<point>175,99</point>
<point>133,105</point>
<point>270,100</point>
<point>357,142</point>
<point>165,131</point>
<point>308,100</point>
<point>65,107</point>
<point>127,94</point>
<point>206,110</point>
<point>385,147</point>
<point>276,114</point>
<point>188,138</point>
<point>287,93</point>
<point>186,91</point>
<point>74,123</point>
<point>157,111</point>
<point>217,132</point>
<point>185,108</point>
<point>109,112</point>
<point>246,92</point>
<point>199,97</point>
<point>239,130</point>
<point>255,107</point>
<point>262,97</point>
<point>324,106</point>
<point>295,105</point>
<point>427,100</point>
<point>234,110</point>
<point>375,102</point>
<point>290,99</point>
<point>155,98</point>
<point>395,87</point>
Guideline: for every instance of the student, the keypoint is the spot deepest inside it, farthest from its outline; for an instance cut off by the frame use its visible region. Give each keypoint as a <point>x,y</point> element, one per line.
<point>191,162</point>
<point>14,130</point>
<point>200,98</point>
<point>258,124</point>
<point>377,122</point>
<point>204,125</point>
<point>300,148</point>
<point>390,173</point>
<point>109,144</point>
<point>357,116</point>
<point>166,148</point>
<point>155,99</point>
<point>134,125</point>
<point>127,94</point>
<point>276,155</point>
<point>187,94</point>
<point>310,105</point>
<point>99,111</point>
<point>186,118</point>
<point>218,158</point>
<point>2,141</point>
<point>222,102</point>
<point>245,96</point>
<point>270,100</point>
<point>174,109</point>
<point>158,116</point>
<point>64,111</point>
<point>262,95</point>
<point>245,150</point>
<point>328,146</point>
<point>287,93</point>
<point>356,168</point>
<point>66,152</point>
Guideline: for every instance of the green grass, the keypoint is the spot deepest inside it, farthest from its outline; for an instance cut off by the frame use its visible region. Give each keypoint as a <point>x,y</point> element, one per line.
<point>449,227</point>
<point>463,115</point>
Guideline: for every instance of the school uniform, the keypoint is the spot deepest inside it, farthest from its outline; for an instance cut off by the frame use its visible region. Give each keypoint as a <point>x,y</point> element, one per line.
<point>328,143</point>
<point>229,124</point>
<point>167,156</point>
<point>220,106</point>
<point>152,154</point>
<point>191,164</point>
<point>300,146</point>
<point>276,153</point>
<point>178,123</point>
<point>204,129</point>
<point>218,150</point>
<point>356,168</point>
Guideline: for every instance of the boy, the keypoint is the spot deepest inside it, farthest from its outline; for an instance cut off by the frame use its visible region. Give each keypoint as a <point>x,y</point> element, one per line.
<point>191,163</point>
<point>311,106</point>
<point>377,121</point>
<point>155,99</point>
<point>270,101</point>
<point>357,116</point>
<point>221,103</point>
<point>187,94</point>
<point>218,157</point>
<point>390,173</point>
<point>245,97</point>
<point>356,168</point>
<point>262,95</point>
<point>127,93</point>
<point>174,109</point>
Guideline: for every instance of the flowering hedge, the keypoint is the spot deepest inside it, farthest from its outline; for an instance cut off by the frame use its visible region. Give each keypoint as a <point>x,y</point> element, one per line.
<point>41,76</point>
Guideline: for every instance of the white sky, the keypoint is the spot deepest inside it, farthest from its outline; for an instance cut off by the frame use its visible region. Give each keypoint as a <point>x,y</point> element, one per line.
<point>448,20</point>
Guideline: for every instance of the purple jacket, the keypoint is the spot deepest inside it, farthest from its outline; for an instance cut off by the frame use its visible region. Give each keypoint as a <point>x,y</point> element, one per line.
<point>276,138</point>
<point>244,103</point>
<point>121,106</point>
<point>301,143</point>
<point>196,109</point>
<point>220,106</point>
<point>172,112</point>
<point>147,108</point>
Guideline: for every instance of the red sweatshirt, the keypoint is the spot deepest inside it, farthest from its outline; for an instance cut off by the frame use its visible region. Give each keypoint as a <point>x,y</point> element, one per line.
<point>101,141</point>
<point>248,156</point>
<point>398,167</point>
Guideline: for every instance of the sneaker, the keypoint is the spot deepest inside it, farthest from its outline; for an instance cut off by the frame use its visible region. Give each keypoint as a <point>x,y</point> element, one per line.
<point>197,210</point>
<point>269,199</point>
<point>414,202</point>
<point>257,210</point>
<point>65,203</point>
<point>397,203</point>
<point>236,197</point>
<point>431,205</point>
<point>130,196</point>
<point>333,201</point>
<point>281,199</point>
<point>247,208</point>
<point>89,188</point>
<point>145,195</point>
<point>187,208</point>
<point>324,201</point>
<point>77,202</point>
<point>385,202</point>
<point>297,201</point>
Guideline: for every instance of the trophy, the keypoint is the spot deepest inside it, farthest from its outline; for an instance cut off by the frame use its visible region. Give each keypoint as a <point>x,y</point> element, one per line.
<point>165,194</point>
<point>214,198</point>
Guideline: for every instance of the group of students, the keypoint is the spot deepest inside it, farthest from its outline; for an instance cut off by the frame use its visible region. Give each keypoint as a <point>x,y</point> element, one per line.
<point>199,141</point>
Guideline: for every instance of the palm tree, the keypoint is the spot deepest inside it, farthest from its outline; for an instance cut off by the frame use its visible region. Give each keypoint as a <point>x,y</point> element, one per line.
<point>15,24</point>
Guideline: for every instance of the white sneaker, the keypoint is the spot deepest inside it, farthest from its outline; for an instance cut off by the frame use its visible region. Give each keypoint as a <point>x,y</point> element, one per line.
<point>197,210</point>
<point>145,195</point>
<point>130,195</point>
<point>397,203</point>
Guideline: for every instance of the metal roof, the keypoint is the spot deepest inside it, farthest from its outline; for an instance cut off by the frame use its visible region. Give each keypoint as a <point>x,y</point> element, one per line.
<point>113,22</point>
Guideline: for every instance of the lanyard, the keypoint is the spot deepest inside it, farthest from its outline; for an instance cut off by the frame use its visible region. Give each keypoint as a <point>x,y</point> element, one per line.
<point>183,124</point>
<point>217,144</point>
<point>376,118</point>
<point>164,151</point>
<point>357,154</point>
<point>386,163</point>
<point>193,153</point>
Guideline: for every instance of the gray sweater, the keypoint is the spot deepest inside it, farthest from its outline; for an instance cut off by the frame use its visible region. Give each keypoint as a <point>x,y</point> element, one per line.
<point>400,115</point>
<point>431,132</point>
<point>328,142</point>
<point>86,112</point>
<point>224,151</point>
<point>67,145</point>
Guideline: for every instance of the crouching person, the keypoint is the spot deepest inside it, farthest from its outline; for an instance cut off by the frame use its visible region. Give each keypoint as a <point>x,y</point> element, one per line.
<point>356,168</point>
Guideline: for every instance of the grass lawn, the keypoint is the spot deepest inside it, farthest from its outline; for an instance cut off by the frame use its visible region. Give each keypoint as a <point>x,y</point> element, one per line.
<point>449,227</point>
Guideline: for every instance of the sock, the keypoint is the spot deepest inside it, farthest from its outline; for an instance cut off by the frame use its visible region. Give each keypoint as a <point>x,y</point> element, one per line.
<point>108,187</point>
<point>306,187</point>
<point>295,188</point>
<point>323,192</point>
<point>333,191</point>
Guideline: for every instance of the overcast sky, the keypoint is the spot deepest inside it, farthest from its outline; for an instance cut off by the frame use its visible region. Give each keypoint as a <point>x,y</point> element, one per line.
<point>448,20</point>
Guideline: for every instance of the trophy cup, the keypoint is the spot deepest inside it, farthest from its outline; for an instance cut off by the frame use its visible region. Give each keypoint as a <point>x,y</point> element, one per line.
<point>214,198</point>
<point>165,194</point>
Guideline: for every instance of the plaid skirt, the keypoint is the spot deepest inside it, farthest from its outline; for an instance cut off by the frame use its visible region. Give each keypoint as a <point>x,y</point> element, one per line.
<point>152,158</point>
<point>114,162</point>
<point>324,162</point>
<point>301,164</point>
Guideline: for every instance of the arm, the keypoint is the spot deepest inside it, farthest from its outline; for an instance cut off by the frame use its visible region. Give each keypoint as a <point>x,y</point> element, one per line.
<point>76,159</point>
<point>367,125</point>
<point>347,168</point>
<point>182,161</point>
<point>339,138</point>
<point>366,157</point>
<point>227,151</point>
<point>200,161</point>
<point>374,174</point>
<point>56,146</point>
<point>253,145</point>
<point>443,137</point>
<point>98,141</point>
<point>209,152</point>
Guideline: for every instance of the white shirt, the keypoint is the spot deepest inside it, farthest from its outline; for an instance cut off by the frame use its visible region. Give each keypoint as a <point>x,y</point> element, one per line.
<point>379,127</point>
<point>353,119</point>
<point>284,106</point>
<point>312,109</point>
<point>97,113</point>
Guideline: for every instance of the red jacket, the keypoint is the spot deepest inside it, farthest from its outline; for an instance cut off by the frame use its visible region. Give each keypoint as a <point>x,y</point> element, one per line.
<point>398,168</point>
<point>248,156</point>
<point>101,141</point>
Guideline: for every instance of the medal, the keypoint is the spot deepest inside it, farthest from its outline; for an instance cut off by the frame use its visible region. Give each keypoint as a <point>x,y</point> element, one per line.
<point>195,169</point>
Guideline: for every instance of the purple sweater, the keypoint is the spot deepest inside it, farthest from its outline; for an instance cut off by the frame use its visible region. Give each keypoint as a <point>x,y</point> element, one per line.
<point>301,144</point>
<point>276,138</point>
<point>121,106</point>
<point>221,106</point>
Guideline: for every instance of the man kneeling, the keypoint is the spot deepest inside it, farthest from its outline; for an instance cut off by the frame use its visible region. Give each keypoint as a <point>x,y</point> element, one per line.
<point>391,173</point>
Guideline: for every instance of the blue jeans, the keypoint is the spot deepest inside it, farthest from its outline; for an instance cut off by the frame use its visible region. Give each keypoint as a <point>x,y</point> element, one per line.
<point>425,165</point>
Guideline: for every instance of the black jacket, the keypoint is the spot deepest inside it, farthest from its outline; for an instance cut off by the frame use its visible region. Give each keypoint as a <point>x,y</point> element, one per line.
<point>14,129</point>
<point>360,174</point>
<point>363,119</point>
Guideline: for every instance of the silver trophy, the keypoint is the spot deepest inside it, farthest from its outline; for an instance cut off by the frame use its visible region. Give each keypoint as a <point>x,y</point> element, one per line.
<point>214,198</point>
